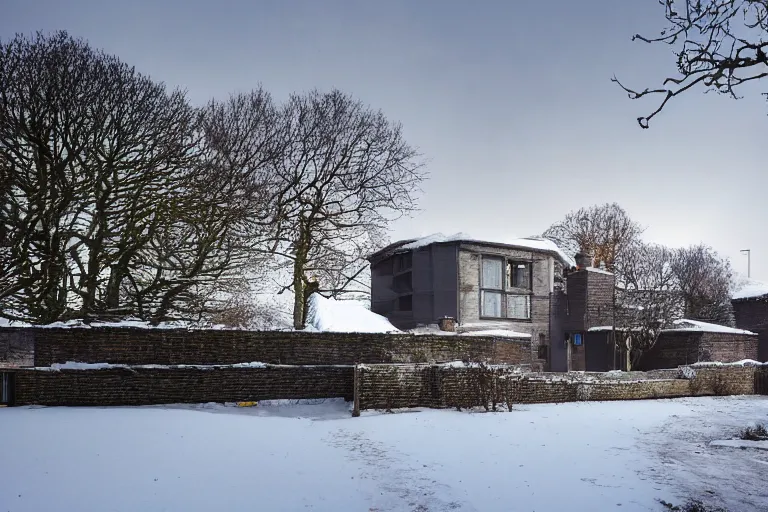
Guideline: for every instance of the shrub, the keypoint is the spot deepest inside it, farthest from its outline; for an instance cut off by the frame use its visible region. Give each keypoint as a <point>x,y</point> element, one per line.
<point>692,506</point>
<point>756,433</point>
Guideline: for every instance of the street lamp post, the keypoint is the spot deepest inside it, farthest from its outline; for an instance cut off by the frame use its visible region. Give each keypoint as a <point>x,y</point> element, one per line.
<point>749,262</point>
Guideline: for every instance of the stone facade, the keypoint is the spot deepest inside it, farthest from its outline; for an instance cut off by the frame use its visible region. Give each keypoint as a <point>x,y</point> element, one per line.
<point>542,269</point>
<point>181,346</point>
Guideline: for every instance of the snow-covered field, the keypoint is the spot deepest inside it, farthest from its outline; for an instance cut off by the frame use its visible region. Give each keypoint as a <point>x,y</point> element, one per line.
<point>560,457</point>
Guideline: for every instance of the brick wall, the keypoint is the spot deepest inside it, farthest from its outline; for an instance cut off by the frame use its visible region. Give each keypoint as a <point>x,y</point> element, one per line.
<point>727,348</point>
<point>138,386</point>
<point>180,346</point>
<point>752,314</point>
<point>388,387</point>
<point>685,347</point>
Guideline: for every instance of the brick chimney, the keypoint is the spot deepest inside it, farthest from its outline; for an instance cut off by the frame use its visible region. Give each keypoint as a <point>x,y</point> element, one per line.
<point>583,260</point>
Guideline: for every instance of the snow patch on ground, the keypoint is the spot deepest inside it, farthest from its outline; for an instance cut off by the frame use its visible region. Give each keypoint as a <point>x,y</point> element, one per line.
<point>740,443</point>
<point>549,457</point>
<point>330,315</point>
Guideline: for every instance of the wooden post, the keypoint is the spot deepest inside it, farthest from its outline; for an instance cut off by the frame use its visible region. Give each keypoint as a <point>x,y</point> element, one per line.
<point>356,392</point>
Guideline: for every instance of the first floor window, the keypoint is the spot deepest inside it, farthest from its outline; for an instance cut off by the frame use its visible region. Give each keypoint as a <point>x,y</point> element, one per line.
<point>492,304</point>
<point>519,307</point>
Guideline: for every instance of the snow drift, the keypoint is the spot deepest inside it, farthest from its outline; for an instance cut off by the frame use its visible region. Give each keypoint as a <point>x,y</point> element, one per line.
<point>330,315</point>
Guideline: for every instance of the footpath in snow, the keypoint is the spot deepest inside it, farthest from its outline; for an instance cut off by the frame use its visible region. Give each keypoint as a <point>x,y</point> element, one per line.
<point>588,456</point>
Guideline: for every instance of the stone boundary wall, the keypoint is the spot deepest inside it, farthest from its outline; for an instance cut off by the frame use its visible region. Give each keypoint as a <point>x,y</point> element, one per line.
<point>147,386</point>
<point>133,346</point>
<point>438,386</point>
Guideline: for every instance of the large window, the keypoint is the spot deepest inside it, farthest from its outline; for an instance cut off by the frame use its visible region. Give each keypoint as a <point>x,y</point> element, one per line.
<point>505,288</point>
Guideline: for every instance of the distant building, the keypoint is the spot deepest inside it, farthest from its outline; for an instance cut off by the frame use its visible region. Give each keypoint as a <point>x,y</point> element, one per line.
<point>750,309</point>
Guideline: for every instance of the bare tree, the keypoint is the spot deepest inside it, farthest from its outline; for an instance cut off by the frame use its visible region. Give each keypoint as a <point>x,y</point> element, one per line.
<point>118,194</point>
<point>647,299</point>
<point>719,45</point>
<point>602,231</point>
<point>704,281</point>
<point>346,173</point>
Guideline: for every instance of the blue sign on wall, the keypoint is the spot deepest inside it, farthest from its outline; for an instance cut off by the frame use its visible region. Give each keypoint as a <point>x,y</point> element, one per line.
<point>577,339</point>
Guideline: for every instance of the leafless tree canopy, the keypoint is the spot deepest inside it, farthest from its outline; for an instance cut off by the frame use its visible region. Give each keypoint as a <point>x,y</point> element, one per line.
<point>718,44</point>
<point>704,281</point>
<point>116,200</point>
<point>119,198</point>
<point>345,174</point>
<point>647,297</point>
<point>602,231</point>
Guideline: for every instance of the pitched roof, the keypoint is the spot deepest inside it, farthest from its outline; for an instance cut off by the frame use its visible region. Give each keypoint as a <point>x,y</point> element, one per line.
<point>752,290</point>
<point>529,243</point>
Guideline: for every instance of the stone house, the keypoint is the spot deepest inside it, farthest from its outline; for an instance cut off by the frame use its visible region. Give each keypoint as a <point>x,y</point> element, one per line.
<point>515,289</point>
<point>750,309</point>
<point>530,289</point>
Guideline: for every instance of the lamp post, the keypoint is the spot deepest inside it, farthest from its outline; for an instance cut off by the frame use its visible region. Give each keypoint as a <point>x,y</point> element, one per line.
<point>749,261</point>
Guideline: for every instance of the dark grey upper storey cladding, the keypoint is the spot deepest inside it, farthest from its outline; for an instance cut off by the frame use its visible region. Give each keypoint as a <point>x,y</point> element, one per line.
<point>417,286</point>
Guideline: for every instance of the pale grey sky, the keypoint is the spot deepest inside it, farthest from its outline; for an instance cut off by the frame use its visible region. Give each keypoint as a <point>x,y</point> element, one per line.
<point>510,102</point>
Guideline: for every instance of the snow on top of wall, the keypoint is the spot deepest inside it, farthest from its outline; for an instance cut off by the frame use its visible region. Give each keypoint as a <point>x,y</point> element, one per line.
<point>76,365</point>
<point>743,362</point>
<point>500,333</point>
<point>330,315</point>
<point>534,243</point>
<point>127,323</point>
<point>695,325</point>
<point>751,290</point>
<point>685,325</point>
<point>599,271</point>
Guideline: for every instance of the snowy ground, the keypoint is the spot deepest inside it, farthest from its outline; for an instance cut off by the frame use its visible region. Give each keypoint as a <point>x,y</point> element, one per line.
<point>560,457</point>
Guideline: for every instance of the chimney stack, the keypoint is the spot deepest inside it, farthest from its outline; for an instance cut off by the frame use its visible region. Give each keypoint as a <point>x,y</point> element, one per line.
<point>583,260</point>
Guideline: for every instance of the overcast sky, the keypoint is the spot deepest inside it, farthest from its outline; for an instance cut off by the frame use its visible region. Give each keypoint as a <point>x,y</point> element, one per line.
<point>510,102</point>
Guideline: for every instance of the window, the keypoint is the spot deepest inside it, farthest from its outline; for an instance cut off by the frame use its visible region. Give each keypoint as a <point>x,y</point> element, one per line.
<point>492,285</point>
<point>519,307</point>
<point>404,261</point>
<point>519,274</point>
<point>505,288</point>
<point>542,352</point>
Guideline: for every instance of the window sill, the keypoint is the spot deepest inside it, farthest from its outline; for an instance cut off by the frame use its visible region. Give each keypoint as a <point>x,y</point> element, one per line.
<point>497,318</point>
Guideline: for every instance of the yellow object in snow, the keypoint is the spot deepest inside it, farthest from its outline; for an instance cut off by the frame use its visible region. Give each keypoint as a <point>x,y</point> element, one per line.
<point>247,404</point>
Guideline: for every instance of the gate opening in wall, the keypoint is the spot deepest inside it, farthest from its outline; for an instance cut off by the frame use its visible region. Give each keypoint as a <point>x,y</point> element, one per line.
<point>6,388</point>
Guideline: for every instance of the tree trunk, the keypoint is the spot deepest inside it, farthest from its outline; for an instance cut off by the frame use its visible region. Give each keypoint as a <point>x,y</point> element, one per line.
<point>298,293</point>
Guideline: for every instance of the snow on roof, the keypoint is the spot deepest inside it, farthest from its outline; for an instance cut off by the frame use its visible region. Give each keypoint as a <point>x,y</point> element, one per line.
<point>751,290</point>
<point>330,315</point>
<point>533,243</point>
<point>598,271</point>
<point>695,325</point>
